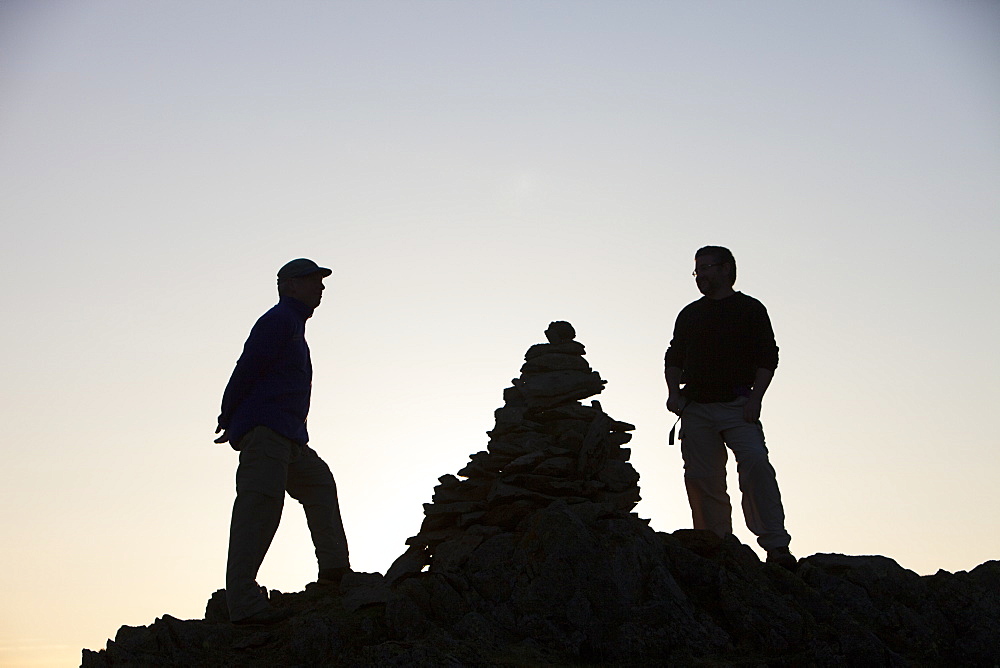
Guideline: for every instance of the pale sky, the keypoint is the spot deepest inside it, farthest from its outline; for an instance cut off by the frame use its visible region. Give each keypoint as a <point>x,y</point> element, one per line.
<point>472,171</point>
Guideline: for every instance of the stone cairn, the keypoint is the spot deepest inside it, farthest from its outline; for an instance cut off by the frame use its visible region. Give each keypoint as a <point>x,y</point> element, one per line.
<point>546,446</point>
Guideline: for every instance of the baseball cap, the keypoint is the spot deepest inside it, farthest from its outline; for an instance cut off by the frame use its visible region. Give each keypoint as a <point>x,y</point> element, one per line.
<point>302,267</point>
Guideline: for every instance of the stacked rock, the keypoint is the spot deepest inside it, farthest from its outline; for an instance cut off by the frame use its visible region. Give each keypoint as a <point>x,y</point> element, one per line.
<point>545,446</point>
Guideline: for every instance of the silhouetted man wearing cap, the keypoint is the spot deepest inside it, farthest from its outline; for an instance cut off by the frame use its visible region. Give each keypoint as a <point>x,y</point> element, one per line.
<point>264,411</point>
<point>724,353</point>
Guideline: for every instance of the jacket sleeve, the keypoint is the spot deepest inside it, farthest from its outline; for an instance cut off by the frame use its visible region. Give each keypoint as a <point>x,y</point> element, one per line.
<point>767,349</point>
<point>260,353</point>
<point>674,357</point>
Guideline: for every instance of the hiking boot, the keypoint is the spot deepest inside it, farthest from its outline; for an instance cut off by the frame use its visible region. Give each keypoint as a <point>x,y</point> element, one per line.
<point>783,557</point>
<point>265,617</point>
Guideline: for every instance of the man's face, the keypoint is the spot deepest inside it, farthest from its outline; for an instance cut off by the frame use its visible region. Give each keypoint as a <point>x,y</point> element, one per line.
<point>307,289</point>
<point>711,275</point>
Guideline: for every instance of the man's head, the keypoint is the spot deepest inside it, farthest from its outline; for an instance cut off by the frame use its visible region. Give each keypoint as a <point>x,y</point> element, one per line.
<point>714,271</point>
<point>302,280</point>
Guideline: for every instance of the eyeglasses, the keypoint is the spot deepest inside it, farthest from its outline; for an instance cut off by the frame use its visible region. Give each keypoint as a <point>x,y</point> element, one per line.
<point>706,266</point>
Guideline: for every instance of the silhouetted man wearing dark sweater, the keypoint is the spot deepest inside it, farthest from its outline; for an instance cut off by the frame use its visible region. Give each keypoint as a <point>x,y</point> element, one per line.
<point>723,352</point>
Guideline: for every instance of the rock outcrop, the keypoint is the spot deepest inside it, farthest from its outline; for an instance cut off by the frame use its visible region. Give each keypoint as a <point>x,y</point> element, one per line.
<point>531,555</point>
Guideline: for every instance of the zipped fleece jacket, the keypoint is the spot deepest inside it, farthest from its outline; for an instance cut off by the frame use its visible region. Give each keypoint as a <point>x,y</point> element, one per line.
<point>272,382</point>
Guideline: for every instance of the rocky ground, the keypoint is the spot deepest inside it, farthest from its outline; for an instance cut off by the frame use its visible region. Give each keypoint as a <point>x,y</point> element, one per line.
<point>531,555</point>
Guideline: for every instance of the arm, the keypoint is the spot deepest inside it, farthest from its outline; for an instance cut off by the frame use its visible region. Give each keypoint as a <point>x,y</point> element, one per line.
<point>674,400</point>
<point>751,411</point>
<point>673,365</point>
<point>766,362</point>
<point>260,352</point>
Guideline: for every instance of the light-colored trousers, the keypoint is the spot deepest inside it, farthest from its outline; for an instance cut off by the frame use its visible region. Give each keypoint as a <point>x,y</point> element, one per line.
<point>270,465</point>
<point>706,431</point>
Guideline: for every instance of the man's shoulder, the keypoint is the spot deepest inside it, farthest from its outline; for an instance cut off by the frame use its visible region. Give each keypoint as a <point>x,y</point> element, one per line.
<point>277,318</point>
<point>696,305</point>
<point>750,309</point>
<point>747,301</point>
<point>276,312</point>
<point>286,308</point>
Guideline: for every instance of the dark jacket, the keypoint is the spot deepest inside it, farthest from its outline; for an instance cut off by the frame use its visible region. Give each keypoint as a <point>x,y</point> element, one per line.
<point>272,382</point>
<point>719,344</point>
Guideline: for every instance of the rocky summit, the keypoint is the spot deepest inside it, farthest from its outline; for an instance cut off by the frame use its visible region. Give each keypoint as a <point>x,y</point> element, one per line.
<point>531,555</point>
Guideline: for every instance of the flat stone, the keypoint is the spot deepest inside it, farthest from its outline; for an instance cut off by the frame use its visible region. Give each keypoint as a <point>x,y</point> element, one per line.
<point>594,449</point>
<point>618,476</point>
<point>556,467</point>
<point>525,463</point>
<point>551,486</point>
<point>619,438</point>
<point>564,412</point>
<point>624,501</point>
<point>509,414</point>
<point>502,493</point>
<point>508,515</point>
<point>436,522</point>
<point>560,427</point>
<point>431,538</point>
<point>570,441</point>
<point>452,554</point>
<point>483,530</point>
<point>468,519</point>
<point>516,445</point>
<point>482,464</point>
<point>467,490</point>
<point>556,387</point>
<point>454,508</point>
<point>567,347</point>
<point>555,362</point>
<point>513,397</point>
<point>513,429</point>
<point>448,480</point>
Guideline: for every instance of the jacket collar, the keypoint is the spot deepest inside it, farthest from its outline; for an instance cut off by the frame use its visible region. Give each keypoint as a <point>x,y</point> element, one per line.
<point>301,309</point>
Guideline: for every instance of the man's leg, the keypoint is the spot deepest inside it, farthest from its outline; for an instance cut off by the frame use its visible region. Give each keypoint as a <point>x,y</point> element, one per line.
<point>255,520</point>
<point>260,494</point>
<point>762,508</point>
<point>311,483</point>
<point>705,457</point>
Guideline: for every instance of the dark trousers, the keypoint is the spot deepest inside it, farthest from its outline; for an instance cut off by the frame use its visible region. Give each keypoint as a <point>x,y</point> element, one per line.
<point>270,465</point>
